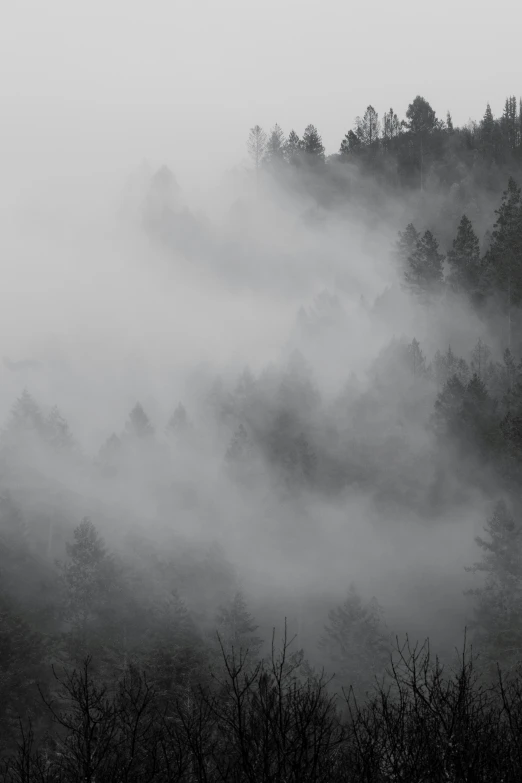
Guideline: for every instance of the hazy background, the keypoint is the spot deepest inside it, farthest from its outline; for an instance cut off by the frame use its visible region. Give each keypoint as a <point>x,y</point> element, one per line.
<point>92,87</point>
<point>90,90</point>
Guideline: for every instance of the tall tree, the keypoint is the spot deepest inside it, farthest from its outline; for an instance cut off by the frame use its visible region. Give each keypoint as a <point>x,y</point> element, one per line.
<point>350,145</point>
<point>498,604</point>
<point>464,260</point>
<point>89,579</point>
<point>422,123</point>
<point>368,127</point>
<point>237,628</point>
<point>312,144</point>
<point>406,246</point>
<point>256,146</point>
<point>504,257</point>
<point>357,642</point>
<point>391,129</point>
<point>275,153</point>
<point>424,273</point>
<point>293,148</point>
<point>138,424</point>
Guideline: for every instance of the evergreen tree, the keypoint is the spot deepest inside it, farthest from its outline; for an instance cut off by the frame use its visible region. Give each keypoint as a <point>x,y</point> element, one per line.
<point>138,424</point>
<point>237,629</point>
<point>26,419</point>
<point>179,424</point>
<point>293,148</point>
<point>481,364</point>
<point>89,581</point>
<point>23,655</point>
<point>175,651</point>
<point>350,145</point>
<point>489,136</point>
<point>256,146</point>
<point>422,119</point>
<point>504,257</point>
<point>464,259</point>
<point>238,447</point>
<point>424,273</point>
<point>275,153</point>
<point>391,129</point>
<point>58,434</point>
<point>417,360</point>
<point>498,604</point>
<point>368,127</point>
<point>357,643</point>
<point>312,145</point>
<point>448,364</point>
<point>406,245</point>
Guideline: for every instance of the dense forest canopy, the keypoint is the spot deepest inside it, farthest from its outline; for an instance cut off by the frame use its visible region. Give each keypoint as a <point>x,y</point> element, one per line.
<point>349,472</point>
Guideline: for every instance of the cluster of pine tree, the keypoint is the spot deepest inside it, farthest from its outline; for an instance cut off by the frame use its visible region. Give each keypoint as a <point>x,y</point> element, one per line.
<point>404,152</point>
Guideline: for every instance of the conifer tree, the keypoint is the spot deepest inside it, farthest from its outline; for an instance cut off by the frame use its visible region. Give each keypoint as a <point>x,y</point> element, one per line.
<point>179,423</point>
<point>312,145</point>
<point>256,146</point>
<point>498,603</point>
<point>357,642</point>
<point>368,127</point>
<point>350,145</point>
<point>89,580</point>
<point>464,259</point>
<point>275,153</point>
<point>416,359</point>
<point>504,257</point>
<point>57,431</point>
<point>138,424</point>
<point>424,273</point>
<point>391,129</point>
<point>293,148</point>
<point>237,629</point>
<point>406,246</point>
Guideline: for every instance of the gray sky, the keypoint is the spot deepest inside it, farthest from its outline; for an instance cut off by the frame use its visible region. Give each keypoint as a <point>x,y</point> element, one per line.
<point>108,82</point>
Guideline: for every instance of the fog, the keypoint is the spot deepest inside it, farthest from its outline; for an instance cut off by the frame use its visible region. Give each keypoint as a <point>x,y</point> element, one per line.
<point>145,260</point>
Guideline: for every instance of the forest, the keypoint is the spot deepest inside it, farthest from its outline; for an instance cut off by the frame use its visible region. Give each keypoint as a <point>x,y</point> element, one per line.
<point>309,569</point>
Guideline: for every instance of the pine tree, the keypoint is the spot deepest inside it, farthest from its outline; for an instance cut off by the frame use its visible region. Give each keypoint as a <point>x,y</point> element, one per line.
<point>138,424</point>
<point>179,424</point>
<point>448,407</point>
<point>350,145</point>
<point>293,148</point>
<point>275,153</point>
<point>448,364</point>
<point>406,246</point>
<point>237,629</point>
<point>422,119</point>
<point>356,641</point>
<point>89,580</point>
<point>417,360</point>
<point>26,420</point>
<point>498,604</point>
<point>504,257</point>
<point>481,364</point>
<point>391,129</point>
<point>464,259</point>
<point>312,145</point>
<point>175,651</point>
<point>58,434</point>
<point>256,146</point>
<point>238,447</point>
<point>23,655</point>
<point>424,273</point>
<point>368,127</point>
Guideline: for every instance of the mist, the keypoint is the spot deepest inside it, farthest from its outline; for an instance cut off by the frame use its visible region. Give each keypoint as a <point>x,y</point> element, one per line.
<point>256,373</point>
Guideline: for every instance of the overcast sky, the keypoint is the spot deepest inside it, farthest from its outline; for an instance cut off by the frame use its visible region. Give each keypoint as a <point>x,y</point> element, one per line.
<point>99,83</point>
